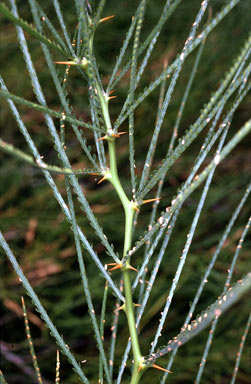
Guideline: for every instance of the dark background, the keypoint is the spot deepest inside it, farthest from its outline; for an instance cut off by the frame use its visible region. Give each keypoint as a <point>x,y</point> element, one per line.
<point>40,238</point>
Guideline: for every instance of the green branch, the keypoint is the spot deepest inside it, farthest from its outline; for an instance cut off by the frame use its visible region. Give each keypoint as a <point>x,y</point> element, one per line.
<point>10,149</point>
<point>129,209</point>
<point>53,330</point>
<point>31,30</point>
<point>215,310</point>
<point>46,110</point>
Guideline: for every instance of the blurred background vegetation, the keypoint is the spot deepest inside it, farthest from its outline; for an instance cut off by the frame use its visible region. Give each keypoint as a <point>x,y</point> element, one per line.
<point>40,238</point>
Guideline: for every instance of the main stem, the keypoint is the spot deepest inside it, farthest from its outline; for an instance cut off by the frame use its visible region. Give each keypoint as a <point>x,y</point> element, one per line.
<point>129,214</point>
<point>129,209</point>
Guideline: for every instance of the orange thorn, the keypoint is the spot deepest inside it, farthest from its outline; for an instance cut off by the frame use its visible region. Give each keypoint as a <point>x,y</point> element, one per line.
<point>134,269</point>
<point>65,62</point>
<point>106,18</point>
<point>94,173</point>
<point>160,368</point>
<point>102,138</point>
<point>112,97</point>
<point>111,91</point>
<point>150,200</point>
<point>136,209</point>
<point>137,305</point>
<point>119,308</point>
<point>112,134</point>
<point>118,134</point>
<point>118,266</point>
<point>103,178</point>
<point>140,367</point>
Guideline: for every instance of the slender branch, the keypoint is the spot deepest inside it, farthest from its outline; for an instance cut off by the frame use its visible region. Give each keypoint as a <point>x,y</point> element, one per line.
<point>64,347</point>
<point>10,149</point>
<point>215,310</point>
<point>31,30</point>
<point>45,109</point>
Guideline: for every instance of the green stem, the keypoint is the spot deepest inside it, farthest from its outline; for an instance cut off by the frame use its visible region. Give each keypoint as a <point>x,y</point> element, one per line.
<point>129,214</point>
<point>129,309</point>
<point>104,106</point>
<point>129,208</point>
<point>114,179</point>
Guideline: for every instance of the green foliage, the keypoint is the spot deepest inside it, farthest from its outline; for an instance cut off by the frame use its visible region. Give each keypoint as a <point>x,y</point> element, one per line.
<point>160,254</point>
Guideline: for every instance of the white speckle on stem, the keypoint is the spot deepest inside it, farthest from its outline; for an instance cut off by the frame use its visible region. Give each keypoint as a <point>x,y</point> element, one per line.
<point>161,220</point>
<point>217,159</point>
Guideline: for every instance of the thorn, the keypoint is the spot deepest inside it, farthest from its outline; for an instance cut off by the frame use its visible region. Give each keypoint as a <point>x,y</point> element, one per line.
<point>65,62</point>
<point>111,97</point>
<point>140,367</point>
<point>111,91</point>
<point>112,135</point>
<point>134,205</point>
<point>117,266</point>
<point>150,200</point>
<point>103,178</point>
<point>137,305</point>
<point>94,173</point>
<point>130,267</point>
<point>102,138</point>
<point>120,308</point>
<point>160,368</point>
<point>119,134</point>
<point>82,63</point>
<point>106,18</point>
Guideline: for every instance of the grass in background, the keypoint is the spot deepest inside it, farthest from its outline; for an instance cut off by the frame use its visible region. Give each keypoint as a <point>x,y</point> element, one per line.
<point>42,237</point>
